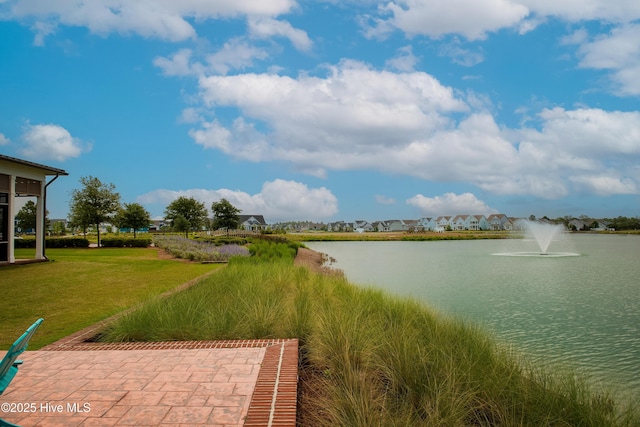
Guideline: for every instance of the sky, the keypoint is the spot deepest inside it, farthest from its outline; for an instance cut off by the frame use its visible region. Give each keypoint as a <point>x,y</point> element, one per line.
<point>329,110</point>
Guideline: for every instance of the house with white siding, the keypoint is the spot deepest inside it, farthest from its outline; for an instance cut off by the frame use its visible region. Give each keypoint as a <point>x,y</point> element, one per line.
<point>252,222</point>
<point>426,224</point>
<point>497,221</point>
<point>381,226</point>
<point>22,178</point>
<point>444,222</point>
<point>477,222</point>
<point>363,225</point>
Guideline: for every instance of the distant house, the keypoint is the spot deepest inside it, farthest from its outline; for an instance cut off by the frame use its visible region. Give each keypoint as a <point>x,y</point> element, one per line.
<point>252,222</point>
<point>444,222</point>
<point>381,226</point>
<point>339,226</point>
<point>578,225</point>
<point>396,225</point>
<point>426,224</point>
<point>159,224</point>
<point>360,225</point>
<point>478,222</point>
<point>497,221</point>
<point>411,225</point>
<point>469,222</point>
<point>459,222</point>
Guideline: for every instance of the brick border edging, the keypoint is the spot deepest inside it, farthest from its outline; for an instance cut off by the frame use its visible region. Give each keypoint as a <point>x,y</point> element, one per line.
<point>274,400</point>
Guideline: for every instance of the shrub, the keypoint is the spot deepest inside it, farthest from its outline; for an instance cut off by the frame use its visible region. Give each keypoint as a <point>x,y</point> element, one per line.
<point>273,250</point>
<point>182,247</point>
<point>127,242</point>
<point>222,240</point>
<point>66,242</point>
<point>25,243</point>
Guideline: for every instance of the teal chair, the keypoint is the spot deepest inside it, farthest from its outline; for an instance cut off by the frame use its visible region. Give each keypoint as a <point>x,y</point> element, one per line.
<point>9,364</point>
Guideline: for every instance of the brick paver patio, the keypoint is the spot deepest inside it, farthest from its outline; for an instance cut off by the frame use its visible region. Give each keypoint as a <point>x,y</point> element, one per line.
<point>219,383</point>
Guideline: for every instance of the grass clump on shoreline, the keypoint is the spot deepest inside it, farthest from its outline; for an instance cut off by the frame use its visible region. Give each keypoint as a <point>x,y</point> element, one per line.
<point>370,359</point>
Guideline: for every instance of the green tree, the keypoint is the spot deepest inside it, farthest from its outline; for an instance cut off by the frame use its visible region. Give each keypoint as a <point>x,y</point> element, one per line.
<point>133,215</point>
<point>94,204</point>
<point>26,217</point>
<point>58,228</point>
<point>190,209</point>
<point>225,215</point>
<point>181,224</point>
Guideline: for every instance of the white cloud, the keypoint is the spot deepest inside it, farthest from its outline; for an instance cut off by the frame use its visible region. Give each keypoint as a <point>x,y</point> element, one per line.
<point>163,19</point>
<point>577,37</point>
<point>581,10</point>
<point>51,142</point>
<point>460,55</point>
<point>471,18</point>
<point>450,204</point>
<point>435,18</point>
<point>579,147</point>
<point>352,108</point>
<point>384,200</point>
<point>403,123</point>
<point>178,65</point>
<point>4,140</point>
<point>618,52</point>
<point>405,60</point>
<point>266,27</point>
<point>279,200</point>
<point>190,115</point>
<point>606,184</point>
<point>235,54</point>
<point>588,132</point>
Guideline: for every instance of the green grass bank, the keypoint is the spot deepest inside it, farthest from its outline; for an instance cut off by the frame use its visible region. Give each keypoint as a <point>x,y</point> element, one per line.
<point>370,359</point>
<point>80,287</point>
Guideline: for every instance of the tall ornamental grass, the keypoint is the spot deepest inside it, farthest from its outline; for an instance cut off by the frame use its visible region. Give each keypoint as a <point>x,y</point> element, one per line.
<point>370,359</point>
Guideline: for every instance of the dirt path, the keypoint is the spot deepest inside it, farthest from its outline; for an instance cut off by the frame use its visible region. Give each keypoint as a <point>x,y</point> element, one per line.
<point>310,259</point>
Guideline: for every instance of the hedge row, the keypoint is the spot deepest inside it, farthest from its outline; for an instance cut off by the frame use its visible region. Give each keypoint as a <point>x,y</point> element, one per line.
<point>54,242</point>
<point>127,242</point>
<point>81,242</point>
<point>222,240</point>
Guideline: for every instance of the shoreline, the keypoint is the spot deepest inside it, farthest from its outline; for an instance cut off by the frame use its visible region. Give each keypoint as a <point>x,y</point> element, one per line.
<point>308,258</point>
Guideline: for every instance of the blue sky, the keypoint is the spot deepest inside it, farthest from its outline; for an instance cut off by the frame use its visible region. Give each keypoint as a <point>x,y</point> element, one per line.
<point>327,110</point>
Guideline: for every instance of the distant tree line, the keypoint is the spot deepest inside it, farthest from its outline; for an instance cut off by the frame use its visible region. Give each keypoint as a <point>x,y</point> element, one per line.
<point>625,223</point>
<point>96,203</point>
<point>187,214</point>
<point>621,223</point>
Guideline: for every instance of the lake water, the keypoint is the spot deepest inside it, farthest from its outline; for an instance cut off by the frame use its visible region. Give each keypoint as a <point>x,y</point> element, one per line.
<point>581,311</point>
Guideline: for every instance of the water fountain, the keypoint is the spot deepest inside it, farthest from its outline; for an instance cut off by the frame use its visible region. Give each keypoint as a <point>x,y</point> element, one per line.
<point>543,234</point>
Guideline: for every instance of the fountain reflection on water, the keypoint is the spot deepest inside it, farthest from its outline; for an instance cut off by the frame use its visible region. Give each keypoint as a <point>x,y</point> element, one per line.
<point>543,234</point>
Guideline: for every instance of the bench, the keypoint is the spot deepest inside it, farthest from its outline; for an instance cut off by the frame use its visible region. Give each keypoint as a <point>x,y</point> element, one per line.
<point>9,364</point>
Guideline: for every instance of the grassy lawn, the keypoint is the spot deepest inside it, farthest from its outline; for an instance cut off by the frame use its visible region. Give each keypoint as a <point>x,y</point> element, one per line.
<point>81,287</point>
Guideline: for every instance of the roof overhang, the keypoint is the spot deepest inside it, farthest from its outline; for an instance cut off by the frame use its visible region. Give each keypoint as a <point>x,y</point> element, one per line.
<point>47,170</point>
